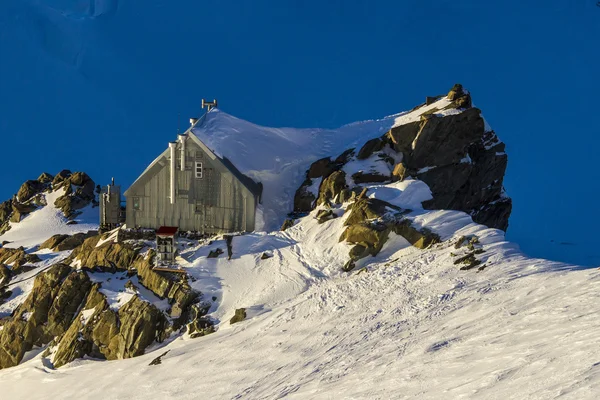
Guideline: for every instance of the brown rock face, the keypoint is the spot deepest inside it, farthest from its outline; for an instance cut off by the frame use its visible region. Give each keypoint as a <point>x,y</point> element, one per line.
<point>108,256</point>
<point>331,187</point>
<point>29,189</point>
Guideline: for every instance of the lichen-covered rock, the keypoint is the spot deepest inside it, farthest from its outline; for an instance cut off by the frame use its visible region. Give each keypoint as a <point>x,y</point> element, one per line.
<point>240,315</point>
<point>5,275</point>
<point>371,235</point>
<point>45,178</point>
<point>28,326</point>
<point>79,192</point>
<point>108,256</point>
<point>54,241</point>
<point>420,238</point>
<point>165,285</point>
<point>325,215</point>
<point>29,189</point>
<point>331,187</point>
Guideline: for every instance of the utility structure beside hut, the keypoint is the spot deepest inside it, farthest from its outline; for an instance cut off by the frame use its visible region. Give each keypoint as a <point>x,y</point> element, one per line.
<point>111,212</point>
<point>188,186</point>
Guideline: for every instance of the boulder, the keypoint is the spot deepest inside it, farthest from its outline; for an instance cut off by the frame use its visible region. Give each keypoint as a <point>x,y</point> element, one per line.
<point>369,148</point>
<point>371,236</point>
<point>45,178</point>
<point>331,187</point>
<point>5,211</point>
<point>108,256</point>
<point>79,193</point>
<point>400,172</point>
<point>5,275</point>
<point>321,168</point>
<point>29,189</point>
<point>54,241</point>
<point>325,215</point>
<point>288,223</point>
<point>367,209</point>
<point>20,210</point>
<point>460,97</point>
<point>164,285</point>
<point>402,136</point>
<point>420,238</point>
<point>200,325</point>
<point>304,199</point>
<point>240,315</point>
<point>60,177</point>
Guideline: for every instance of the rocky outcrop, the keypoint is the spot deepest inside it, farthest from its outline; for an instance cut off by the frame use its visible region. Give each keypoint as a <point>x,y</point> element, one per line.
<point>18,258</point>
<point>5,275</point>
<point>79,192</point>
<point>109,256</point>
<point>462,163</point>
<point>170,286</point>
<point>66,242</point>
<point>101,332</point>
<point>331,187</point>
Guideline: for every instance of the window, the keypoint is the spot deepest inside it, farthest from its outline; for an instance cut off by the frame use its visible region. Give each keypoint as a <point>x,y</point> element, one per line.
<point>199,207</point>
<point>199,170</point>
<point>136,203</point>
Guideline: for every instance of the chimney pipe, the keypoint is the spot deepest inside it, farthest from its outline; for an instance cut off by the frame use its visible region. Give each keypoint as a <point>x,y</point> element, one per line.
<point>173,147</point>
<point>182,139</point>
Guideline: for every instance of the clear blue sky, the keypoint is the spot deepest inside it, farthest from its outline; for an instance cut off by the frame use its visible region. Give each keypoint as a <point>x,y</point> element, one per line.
<point>100,89</point>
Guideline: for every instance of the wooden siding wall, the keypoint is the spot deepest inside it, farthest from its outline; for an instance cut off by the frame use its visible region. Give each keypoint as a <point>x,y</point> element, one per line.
<point>216,203</point>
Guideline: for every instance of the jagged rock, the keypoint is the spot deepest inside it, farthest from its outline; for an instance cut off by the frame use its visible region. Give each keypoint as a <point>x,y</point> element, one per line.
<point>158,360</point>
<point>349,266</point>
<point>288,223</point>
<point>5,211</point>
<point>108,256</point>
<point>266,256</point>
<point>5,275</point>
<point>164,285</point>
<point>29,189</point>
<point>366,209</point>
<point>402,136</point>
<point>460,97</point>
<point>60,177</point>
<point>344,157</point>
<point>331,187</point>
<point>325,215</point>
<point>28,325</point>
<point>304,199</point>
<point>359,252</point>
<point>74,241</point>
<point>321,168</point>
<point>400,172</point>
<point>54,241</point>
<point>79,192</point>
<point>369,148</point>
<point>420,238</point>
<point>45,178</point>
<point>20,210</point>
<point>200,325</point>
<point>240,315</point>
<point>469,260</point>
<point>17,258</point>
<point>494,214</point>
<point>369,235</point>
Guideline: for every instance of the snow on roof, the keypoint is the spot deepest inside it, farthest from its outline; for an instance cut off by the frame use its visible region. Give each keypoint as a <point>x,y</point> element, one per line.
<point>279,157</point>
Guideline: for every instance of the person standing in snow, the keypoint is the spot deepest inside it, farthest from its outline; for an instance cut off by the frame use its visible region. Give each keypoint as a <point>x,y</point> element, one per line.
<point>229,240</point>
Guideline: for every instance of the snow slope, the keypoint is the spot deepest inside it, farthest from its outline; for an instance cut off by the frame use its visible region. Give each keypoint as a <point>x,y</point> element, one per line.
<point>47,221</point>
<point>411,326</point>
